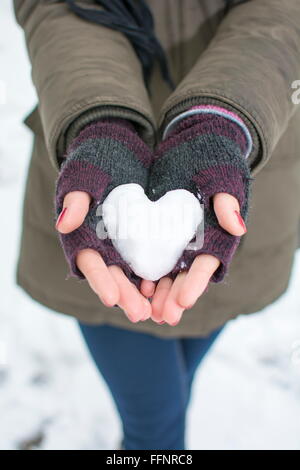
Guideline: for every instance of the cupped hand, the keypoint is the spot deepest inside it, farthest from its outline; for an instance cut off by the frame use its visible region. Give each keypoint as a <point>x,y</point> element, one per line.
<point>171,298</point>
<point>108,282</point>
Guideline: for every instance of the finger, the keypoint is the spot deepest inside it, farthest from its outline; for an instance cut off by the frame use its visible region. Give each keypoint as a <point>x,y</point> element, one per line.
<point>161,292</point>
<point>227,211</point>
<point>75,207</point>
<point>147,288</point>
<point>131,300</point>
<point>91,264</point>
<point>196,280</point>
<point>172,311</point>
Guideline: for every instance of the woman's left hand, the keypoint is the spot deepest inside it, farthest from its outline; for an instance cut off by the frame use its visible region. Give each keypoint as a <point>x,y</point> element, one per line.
<point>171,298</point>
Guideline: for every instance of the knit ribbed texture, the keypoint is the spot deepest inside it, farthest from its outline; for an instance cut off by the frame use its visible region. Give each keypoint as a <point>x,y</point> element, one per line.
<point>212,109</point>
<point>192,101</point>
<point>204,154</point>
<point>105,154</point>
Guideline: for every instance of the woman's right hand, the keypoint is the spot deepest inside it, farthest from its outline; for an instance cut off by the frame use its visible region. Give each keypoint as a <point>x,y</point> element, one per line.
<point>105,154</point>
<point>108,282</point>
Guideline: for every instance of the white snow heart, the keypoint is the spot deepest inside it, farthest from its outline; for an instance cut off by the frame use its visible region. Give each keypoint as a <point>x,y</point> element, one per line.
<point>151,235</point>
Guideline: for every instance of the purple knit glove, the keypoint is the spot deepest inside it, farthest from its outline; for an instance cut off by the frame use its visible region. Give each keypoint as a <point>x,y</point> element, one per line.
<point>205,154</point>
<point>105,154</point>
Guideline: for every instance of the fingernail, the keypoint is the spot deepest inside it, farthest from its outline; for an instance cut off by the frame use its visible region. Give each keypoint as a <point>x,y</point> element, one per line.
<point>161,322</point>
<point>241,221</point>
<point>174,324</point>
<point>61,215</point>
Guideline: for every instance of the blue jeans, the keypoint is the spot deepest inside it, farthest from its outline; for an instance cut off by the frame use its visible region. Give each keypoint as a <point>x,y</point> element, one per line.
<point>150,379</point>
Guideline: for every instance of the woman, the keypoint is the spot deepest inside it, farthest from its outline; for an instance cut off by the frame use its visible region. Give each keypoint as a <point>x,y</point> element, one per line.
<point>203,104</point>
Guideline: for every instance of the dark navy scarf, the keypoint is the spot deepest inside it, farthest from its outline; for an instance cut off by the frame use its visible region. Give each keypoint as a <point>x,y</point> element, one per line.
<point>135,20</point>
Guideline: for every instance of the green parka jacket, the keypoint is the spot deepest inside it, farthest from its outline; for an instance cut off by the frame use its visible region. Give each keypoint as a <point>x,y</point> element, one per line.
<point>247,59</point>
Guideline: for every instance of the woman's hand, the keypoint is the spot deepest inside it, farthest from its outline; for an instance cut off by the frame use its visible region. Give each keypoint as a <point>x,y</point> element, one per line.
<point>205,154</point>
<point>171,298</point>
<point>108,282</point>
<point>104,155</point>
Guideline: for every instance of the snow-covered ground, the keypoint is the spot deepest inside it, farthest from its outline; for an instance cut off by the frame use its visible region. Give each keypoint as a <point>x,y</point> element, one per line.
<point>245,396</point>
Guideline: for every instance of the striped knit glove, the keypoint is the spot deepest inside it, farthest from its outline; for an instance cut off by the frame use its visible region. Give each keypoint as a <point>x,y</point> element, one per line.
<point>206,154</point>
<point>105,154</point>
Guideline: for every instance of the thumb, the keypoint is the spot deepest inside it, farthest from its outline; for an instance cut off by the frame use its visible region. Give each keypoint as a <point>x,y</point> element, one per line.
<point>227,210</point>
<point>75,208</point>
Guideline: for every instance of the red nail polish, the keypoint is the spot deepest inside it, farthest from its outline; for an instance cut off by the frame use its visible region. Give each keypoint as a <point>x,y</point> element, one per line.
<point>61,215</point>
<point>161,322</point>
<point>241,221</point>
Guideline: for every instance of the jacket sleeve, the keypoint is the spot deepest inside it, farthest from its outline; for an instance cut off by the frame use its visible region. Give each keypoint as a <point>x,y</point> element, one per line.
<point>250,65</point>
<point>79,66</point>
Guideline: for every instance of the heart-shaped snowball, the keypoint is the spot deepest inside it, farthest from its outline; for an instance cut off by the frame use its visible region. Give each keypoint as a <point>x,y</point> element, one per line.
<point>150,235</point>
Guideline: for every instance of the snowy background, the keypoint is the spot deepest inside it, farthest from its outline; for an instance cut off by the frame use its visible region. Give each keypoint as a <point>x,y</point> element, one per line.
<point>245,396</point>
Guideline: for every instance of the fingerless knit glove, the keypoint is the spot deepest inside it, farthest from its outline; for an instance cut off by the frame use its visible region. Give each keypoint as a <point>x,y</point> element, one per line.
<point>205,153</point>
<point>105,154</point>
